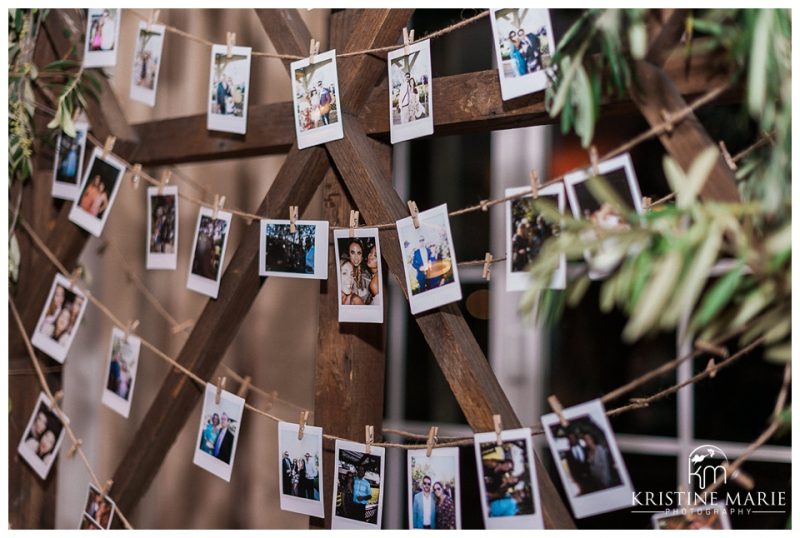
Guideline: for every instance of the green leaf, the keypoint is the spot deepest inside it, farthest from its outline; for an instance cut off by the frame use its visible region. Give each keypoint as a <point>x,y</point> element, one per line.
<point>584,107</point>
<point>781,353</point>
<point>577,290</point>
<point>637,35</point>
<point>687,185</point>
<point>757,79</point>
<point>61,65</point>
<point>754,303</point>
<point>14,257</point>
<point>655,296</point>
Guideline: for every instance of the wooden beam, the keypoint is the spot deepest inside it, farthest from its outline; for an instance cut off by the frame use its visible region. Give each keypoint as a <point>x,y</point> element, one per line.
<point>668,36</point>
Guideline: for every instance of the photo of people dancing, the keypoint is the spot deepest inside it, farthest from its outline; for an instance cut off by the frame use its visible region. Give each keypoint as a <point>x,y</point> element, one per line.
<point>208,249</point>
<point>586,456</point>
<point>358,264</point>
<point>289,252</point>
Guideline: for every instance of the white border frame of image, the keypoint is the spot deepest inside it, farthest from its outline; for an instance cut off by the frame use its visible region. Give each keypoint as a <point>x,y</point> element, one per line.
<point>723,513</point>
<point>290,503</point>
<point>212,464</point>
<point>84,513</point>
<point>47,344</point>
<point>198,283</point>
<point>520,280</point>
<point>338,522</point>
<point>579,176</point>
<point>533,521</point>
<point>359,313</point>
<point>452,452</point>
<point>63,190</point>
<point>423,126</point>
<point>101,58</point>
<point>325,133</point>
<point>450,293</point>
<point>599,502</point>
<point>36,463</point>
<point>88,222</point>
<point>109,398</point>
<point>530,83</point>
<point>320,249</point>
<point>143,95</point>
<point>225,123</point>
<point>161,260</point>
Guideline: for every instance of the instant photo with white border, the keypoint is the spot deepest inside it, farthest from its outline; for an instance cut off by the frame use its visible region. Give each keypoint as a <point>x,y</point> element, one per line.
<point>320,249</point>
<point>133,344</point>
<point>140,93</point>
<point>520,280</point>
<point>572,179</point>
<point>101,58</point>
<point>84,219</point>
<point>601,501</point>
<point>228,123</point>
<point>40,466</point>
<point>312,443</point>
<point>233,406</point>
<point>323,133</point>
<point>42,341</point>
<point>64,189</point>
<point>511,87</point>
<point>365,313</point>
<point>199,283</point>
<point>450,453</point>
<point>93,491</point>
<point>441,295</point>
<point>339,522</point>
<point>718,508</point>
<point>415,128</point>
<point>524,521</point>
<point>162,260</point>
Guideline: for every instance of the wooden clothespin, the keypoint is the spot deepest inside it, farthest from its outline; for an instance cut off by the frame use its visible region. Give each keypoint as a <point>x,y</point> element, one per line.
<point>712,349</point>
<point>272,397</point>
<point>220,385</point>
<point>76,274</point>
<point>412,207</point>
<point>646,203</point>
<point>108,147</point>
<point>432,438</point>
<point>727,156</point>
<point>165,176</point>
<point>313,50</point>
<point>534,177</point>
<point>219,203</point>
<point>244,387</point>
<point>74,448</point>
<point>153,19</point>
<point>711,368</point>
<point>301,427</point>
<point>594,160</point>
<point>558,409</point>
<point>485,205</point>
<point>293,212</point>
<point>230,43</point>
<point>353,221</point>
<point>487,269</point>
<point>667,117</point>
<point>640,402</point>
<point>130,328</point>
<point>369,435</point>
<point>57,397</point>
<point>498,428</point>
<point>180,327</point>
<point>408,39</point>
<point>107,487</point>
<point>740,477</point>
<point>136,174</point>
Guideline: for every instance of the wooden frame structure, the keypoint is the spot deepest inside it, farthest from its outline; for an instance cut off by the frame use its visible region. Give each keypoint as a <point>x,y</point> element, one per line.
<point>354,172</point>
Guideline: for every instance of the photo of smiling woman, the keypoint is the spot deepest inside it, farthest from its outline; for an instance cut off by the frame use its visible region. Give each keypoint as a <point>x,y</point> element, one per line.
<point>42,438</point>
<point>359,276</point>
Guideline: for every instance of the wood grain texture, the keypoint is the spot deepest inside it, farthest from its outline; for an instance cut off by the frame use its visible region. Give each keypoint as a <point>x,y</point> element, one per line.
<point>668,35</point>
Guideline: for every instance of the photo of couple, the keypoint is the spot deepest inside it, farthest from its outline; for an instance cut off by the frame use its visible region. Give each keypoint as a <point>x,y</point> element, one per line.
<point>523,43</point>
<point>123,361</point>
<point>99,510</point>
<point>358,486</point>
<point>60,319</point>
<point>300,469</point>
<point>97,193</point>
<point>69,162</point>
<point>433,489</point>
<point>228,89</point>
<point>218,434</point>
<point>315,91</point>
<point>42,437</point>
<point>410,95</point>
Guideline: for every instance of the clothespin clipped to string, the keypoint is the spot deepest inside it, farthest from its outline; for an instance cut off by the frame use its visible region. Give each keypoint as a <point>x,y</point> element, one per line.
<point>711,368</point>
<point>313,50</point>
<point>353,221</point>
<point>301,427</point>
<point>136,174</point>
<point>293,212</point>
<point>487,269</point>
<point>57,397</point>
<point>412,207</point>
<point>153,19</point>
<point>558,409</point>
<point>220,385</point>
<point>108,147</point>
<point>369,437</point>
<point>76,274</point>
<point>165,176</point>
<point>727,156</point>
<point>272,397</point>
<point>107,487</point>
<point>647,202</point>
<point>408,39</point>
<point>230,43</point>
<point>498,428</point>
<point>180,327</point>
<point>244,387</point>
<point>219,203</point>
<point>130,328</point>
<point>74,448</point>
<point>594,160</point>
<point>712,349</point>
<point>534,177</point>
<point>667,117</point>
<point>432,438</point>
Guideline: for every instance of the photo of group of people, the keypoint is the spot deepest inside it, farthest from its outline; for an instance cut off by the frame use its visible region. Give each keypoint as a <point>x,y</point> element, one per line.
<point>123,361</point>
<point>507,476</point>
<point>146,63</point>
<point>42,437</point>
<point>360,276</point>
<point>410,96</point>
<point>97,193</point>
<point>68,163</point>
<point>588,460</point>
<point>316,100</point>
<point>301,469</point>
<point>162,227</point>
<point>294,254</point>
<point>218,434</point>
<point>229,87</point>
<point>358,486</point>
<point>98,511</point>
<point>707,517</point>
<point>210,241</point>
<point>523,40</point>
<point>59,319</point>
<point>433,489</point>
<point>102,37</point>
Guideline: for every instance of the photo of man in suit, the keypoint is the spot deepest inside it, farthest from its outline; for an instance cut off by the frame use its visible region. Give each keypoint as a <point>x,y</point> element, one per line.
<point>286,468</point>
<point>224,443</point>
<point>425,506</point>
<point>423,256</point>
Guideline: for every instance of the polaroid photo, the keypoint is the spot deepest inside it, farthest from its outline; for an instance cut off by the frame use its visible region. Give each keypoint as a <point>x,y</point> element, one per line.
<point>434,493</point>
<point>89,524</point>
<point>410,93</point>
<point>317,110</point>
<point>301,469</point>
<point>708,517</point>
<point>208,251</point>
<point>60,319</point>
<point>147,62</point>
<point>359,275</point>
<point>68,163</point>
<point>102,37</point>
<point>42,437</point>
<point>358,488</point>
<point>523,45</point>
<point>229,89</point>
<point>123,361</point>
<point>98,191</point>
<point>302,254</point>
<point>618,172</point>
<point>162,227</point>
<point>526,232</point>
<point>507,477</point>
<point>220,425</point>
<point>590,465</point>
<point>98,511</point>
<point>429,260</point>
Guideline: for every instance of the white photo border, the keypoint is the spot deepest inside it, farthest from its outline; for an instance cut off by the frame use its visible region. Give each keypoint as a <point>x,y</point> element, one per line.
<point>338,522</point>
<point>210,463</point>
<point>290,503</point>
<point>61,189</point>
<point>110,399</point>
<point>101,58</point>
<point>451,452</point>
<point>359,313</point>
<point>320,249</point>
<point>85,220</point>
<point>199,283</point>
<point>143,95</point>
<point>162,260</point>
<point>219,122</point>
<point>325,133</point>
<point>47,344</point>
<point>423,126</point>
<point>41,468</point>
<point>85,514</point>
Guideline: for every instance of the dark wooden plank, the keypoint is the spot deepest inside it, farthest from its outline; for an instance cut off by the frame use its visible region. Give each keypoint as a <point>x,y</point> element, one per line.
<point>669,34</point>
